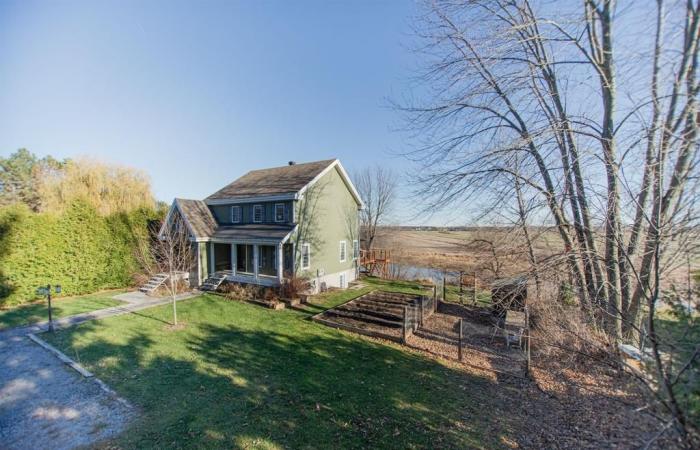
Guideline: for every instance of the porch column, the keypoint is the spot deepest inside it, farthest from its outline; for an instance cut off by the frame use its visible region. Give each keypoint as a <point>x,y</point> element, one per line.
<point>280,263</point>
<point>255,261</point>
<point>212,268</point>
<point>199,264</point>
<point>233,259</point>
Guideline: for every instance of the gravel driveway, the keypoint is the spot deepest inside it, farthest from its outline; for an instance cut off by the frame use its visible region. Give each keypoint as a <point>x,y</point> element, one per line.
<point>46,405</point>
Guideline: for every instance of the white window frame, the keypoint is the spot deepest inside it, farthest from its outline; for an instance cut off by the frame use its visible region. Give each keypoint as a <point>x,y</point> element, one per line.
<point>234,218</point>
<point>277,205</point>
<point>355,249</point>
<point>343,250</point>
<point>308,256</point>
<point>257,208</point>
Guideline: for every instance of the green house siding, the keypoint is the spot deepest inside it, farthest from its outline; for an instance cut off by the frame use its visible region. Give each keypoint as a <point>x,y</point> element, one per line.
<point>326,215</point>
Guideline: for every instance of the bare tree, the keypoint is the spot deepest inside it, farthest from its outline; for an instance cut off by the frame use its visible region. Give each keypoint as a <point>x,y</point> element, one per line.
<point>170,254</point>
<point>570,105</point>
<point>377,187</point>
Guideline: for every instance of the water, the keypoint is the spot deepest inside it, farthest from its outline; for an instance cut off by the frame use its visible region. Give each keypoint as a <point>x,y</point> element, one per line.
<point>410,272</point>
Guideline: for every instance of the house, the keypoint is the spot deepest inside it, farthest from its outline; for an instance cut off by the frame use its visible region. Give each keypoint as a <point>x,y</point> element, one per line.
<point>299,219</point>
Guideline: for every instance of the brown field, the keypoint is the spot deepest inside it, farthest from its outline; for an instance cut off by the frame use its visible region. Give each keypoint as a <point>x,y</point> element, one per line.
<point>465,249</point>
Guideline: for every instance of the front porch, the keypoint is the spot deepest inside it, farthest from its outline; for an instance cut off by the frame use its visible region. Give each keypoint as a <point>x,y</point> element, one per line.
<point>263,264</point>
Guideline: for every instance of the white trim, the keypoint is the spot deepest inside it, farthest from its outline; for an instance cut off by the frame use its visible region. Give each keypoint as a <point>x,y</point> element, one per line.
<point>301,258</point>
<point>234,259</point>
<point>262,213</point>
<point>343,252</point>
<point>240,213</point>
<point>255,261</point>
<point>284,211</point>
<point>261,198</point>
<point>280,261</point>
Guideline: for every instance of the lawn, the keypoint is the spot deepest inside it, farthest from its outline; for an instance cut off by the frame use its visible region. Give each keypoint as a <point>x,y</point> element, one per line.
<point>241,376</point>
<point>683,331</point>
<point>62,307</point>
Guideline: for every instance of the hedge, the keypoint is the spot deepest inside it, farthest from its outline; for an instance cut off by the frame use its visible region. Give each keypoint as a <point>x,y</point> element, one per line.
<point>78,249</point>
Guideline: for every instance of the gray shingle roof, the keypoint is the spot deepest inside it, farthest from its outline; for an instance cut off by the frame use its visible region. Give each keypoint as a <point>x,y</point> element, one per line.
<point>253,232</point>
<point>274,181</point>
<point>198,217</point>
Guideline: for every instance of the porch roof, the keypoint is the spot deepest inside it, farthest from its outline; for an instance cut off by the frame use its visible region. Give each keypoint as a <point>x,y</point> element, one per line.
<point>253,232</point>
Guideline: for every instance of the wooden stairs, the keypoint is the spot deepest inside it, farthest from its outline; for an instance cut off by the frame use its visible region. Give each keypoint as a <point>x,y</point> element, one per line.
<point>154,283</point>
<point>214,280</point>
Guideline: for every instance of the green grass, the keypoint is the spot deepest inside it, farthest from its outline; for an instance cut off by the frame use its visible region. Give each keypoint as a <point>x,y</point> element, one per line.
<point>683,332</point>
<point>483,298</point>
<point>241,376</point>
<point>62,307</point>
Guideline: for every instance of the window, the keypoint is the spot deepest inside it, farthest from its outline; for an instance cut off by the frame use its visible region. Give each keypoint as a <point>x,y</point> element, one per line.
<point>343,281</point>
<point>258,213</point>
<point>244,258</point>
<point>343,251</point>
<point>235,214</point>
<point>355,249</point>
<point>305,256</point>
<point>267,261</point>
<point>279,212</point>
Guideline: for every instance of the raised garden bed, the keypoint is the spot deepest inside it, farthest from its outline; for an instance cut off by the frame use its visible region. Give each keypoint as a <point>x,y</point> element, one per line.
<point>377,314</point>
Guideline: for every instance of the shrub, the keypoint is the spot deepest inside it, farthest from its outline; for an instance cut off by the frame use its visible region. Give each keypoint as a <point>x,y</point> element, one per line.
<point>238,291</point>
<point>293,286</point>
<point>270,294</point>
<point>78,249</point>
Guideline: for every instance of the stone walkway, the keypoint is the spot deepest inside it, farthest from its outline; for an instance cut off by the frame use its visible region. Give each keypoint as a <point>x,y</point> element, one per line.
<point>134,301</point>
<point>44,404</point>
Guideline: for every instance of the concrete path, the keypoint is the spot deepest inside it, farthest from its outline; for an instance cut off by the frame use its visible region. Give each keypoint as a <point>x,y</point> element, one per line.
<point>134,301</point>
<point>45,404</point>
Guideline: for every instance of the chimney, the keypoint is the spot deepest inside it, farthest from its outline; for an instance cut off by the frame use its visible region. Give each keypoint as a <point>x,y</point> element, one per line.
<point>291,163</point>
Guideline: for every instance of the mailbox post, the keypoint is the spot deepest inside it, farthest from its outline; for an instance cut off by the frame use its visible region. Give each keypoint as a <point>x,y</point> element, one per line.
<point>46,290</point>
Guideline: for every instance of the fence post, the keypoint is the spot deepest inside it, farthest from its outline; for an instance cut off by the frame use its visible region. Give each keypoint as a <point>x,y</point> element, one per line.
<point>422,302</point>
<point>527,330</point>
<point>474,298</point>
<point>405,324</point>
<point>435,298</point>
<point>461,337</point>
<point>444,289</point>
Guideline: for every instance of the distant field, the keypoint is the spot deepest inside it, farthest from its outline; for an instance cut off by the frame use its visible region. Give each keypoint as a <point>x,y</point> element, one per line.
<point>464,249</point>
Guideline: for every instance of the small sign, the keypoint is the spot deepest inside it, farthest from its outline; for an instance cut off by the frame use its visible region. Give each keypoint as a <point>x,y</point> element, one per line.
<point>58,288</point>
<point>42,291</point>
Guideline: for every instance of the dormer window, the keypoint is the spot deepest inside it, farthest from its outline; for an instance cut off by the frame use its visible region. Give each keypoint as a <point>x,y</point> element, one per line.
<point>279,212</point>
<point>258,213</point>
<point>235,214</point>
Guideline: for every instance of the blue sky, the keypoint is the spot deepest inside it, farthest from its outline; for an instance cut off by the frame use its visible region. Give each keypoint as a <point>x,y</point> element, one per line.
<point>198,93</point>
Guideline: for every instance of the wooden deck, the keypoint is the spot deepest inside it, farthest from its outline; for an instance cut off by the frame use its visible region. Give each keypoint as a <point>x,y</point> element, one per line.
<point>376,262</point>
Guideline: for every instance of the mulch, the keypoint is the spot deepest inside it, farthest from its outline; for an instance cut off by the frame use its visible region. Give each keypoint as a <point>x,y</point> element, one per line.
<point>559,405</point>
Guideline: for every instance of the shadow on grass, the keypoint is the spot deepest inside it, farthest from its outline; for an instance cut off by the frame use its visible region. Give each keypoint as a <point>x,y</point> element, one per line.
<point>217,386</point>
